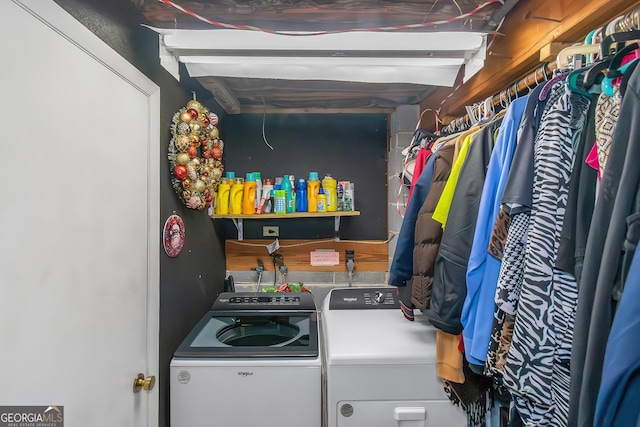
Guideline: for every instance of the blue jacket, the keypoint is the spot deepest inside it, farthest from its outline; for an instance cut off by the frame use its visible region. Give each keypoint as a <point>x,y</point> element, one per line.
<point>482,269</point>
<point>617,404</point>
<point>401,269</point>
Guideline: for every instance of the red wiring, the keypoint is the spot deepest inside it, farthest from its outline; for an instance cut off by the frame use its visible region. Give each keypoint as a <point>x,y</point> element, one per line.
<point>392,28</point>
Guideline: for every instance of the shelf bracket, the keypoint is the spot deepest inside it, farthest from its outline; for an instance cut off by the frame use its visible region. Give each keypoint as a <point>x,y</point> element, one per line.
<point>336,234</point>
<point>239,226</point>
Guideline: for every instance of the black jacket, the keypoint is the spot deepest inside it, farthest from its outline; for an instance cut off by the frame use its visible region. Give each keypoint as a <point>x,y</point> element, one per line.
<point>449,287</point>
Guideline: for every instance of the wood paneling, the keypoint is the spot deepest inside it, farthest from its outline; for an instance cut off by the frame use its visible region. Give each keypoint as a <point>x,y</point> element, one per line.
<point>370,255</point>
<point>517,52</point>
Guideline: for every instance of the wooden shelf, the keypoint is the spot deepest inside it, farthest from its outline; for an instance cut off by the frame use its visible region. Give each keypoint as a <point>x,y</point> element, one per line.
<point>289,215</point>
<point>239,218</point>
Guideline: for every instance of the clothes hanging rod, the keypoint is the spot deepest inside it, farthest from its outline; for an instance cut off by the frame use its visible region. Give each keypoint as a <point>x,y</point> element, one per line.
<point>520,87</point>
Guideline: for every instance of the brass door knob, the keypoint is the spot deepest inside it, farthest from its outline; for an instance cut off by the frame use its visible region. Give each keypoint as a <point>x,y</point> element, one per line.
<point>140,382</point>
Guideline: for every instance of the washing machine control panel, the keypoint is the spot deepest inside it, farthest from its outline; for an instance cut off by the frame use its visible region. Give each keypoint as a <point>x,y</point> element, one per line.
<point>363,299</point>
<point>266,300</point>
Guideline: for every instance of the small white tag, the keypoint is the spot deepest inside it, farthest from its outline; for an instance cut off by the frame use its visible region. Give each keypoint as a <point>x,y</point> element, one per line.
<point>272,247</point>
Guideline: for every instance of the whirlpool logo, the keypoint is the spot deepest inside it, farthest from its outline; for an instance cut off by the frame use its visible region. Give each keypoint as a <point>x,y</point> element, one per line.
<point>245,374</point>
<point>32,416</point>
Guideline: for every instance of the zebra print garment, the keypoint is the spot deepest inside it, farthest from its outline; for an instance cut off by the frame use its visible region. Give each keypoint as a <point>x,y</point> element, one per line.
<point>537,364</point>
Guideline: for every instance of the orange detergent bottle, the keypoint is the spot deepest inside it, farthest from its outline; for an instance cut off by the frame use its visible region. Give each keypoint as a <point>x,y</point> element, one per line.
<point>313,185</point>
<point>249,197</point>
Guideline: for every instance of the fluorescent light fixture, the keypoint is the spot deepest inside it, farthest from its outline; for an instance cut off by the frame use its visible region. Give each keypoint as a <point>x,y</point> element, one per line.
<point>426,58</point>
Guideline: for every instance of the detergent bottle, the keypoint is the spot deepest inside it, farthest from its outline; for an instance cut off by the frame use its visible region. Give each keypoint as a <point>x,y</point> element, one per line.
<point>322,201</point>
<point>292,180</point>
<point>330,187</point>
<point>313,185</point>
<point>265,203</point>
<point>286,186</point>
<point>258,195</point>
<point>248,199</point>
<point>302,204</point>
<point>231,177</point>
<point>222,198</point>
<point>236,196</point>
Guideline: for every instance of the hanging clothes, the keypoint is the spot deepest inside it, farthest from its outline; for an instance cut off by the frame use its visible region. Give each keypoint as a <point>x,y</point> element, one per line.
<point>516,200</point>
<point>617,404</point>
<point>401,268</point>
<point>429,232</point>
<point>482,270</point>
<point>449,287</point>
<point>421,161</point>
<point>537,365</point>
<point>617,202</point>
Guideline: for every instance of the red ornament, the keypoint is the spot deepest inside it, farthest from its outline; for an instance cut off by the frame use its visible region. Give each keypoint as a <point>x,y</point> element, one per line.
<point>206,154</point>
<point>206,122</point>
<point>193,113</point>
<point>181,172</point>
<point>205,173</point>
<point>193,152</point>
<point>216,153</point>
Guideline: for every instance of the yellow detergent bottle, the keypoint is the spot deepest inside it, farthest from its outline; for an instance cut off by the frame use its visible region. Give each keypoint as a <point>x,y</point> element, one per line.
<point>222,198</point>
<point>236,195</point>
<point>330,187</point>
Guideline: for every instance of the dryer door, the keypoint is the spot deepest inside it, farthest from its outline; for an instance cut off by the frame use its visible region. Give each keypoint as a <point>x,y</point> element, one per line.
<point>406,413</point>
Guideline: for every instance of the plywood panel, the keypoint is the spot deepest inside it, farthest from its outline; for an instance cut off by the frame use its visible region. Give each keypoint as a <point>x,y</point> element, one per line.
<point>370,255</point>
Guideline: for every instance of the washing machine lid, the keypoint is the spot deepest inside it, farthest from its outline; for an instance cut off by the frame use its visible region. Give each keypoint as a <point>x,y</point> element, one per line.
<point>375,336</point>
<point>254,325</point>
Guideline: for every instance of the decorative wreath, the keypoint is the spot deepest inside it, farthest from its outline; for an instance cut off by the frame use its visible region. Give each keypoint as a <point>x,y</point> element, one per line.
<point>195,155</point>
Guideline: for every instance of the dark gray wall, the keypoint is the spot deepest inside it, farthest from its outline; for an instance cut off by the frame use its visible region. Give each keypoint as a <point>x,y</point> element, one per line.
<point>351,147</point>
<point>190,282</point>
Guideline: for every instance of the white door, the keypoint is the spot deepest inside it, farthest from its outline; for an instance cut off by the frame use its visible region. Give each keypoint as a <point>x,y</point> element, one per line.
<point>79,204</point>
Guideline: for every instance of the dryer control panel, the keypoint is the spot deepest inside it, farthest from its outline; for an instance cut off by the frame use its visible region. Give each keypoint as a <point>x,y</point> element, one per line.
<point>363,299</point>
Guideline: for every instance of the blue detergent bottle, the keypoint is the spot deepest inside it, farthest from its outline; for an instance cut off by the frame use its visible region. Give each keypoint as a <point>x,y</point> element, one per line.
<point>302,204</point>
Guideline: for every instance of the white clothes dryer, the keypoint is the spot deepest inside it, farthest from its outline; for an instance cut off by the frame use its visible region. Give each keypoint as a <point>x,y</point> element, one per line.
<point>381,368</point>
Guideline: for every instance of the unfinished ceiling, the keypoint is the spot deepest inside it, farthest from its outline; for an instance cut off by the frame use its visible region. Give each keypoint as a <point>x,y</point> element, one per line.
<point>255,93</point>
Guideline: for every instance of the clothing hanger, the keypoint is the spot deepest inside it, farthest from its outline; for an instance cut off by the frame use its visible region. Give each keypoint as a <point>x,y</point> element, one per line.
<point>605,45</point>
<point>562,60</point>
<point>573,78</point>
<point>607,82</point>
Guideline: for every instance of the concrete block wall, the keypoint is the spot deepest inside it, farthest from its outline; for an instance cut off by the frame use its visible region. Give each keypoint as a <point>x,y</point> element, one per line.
<point>403,125</point>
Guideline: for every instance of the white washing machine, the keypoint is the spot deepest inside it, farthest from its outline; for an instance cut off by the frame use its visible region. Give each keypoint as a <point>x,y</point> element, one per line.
<point>381,368</point>
<point>253,360</point>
